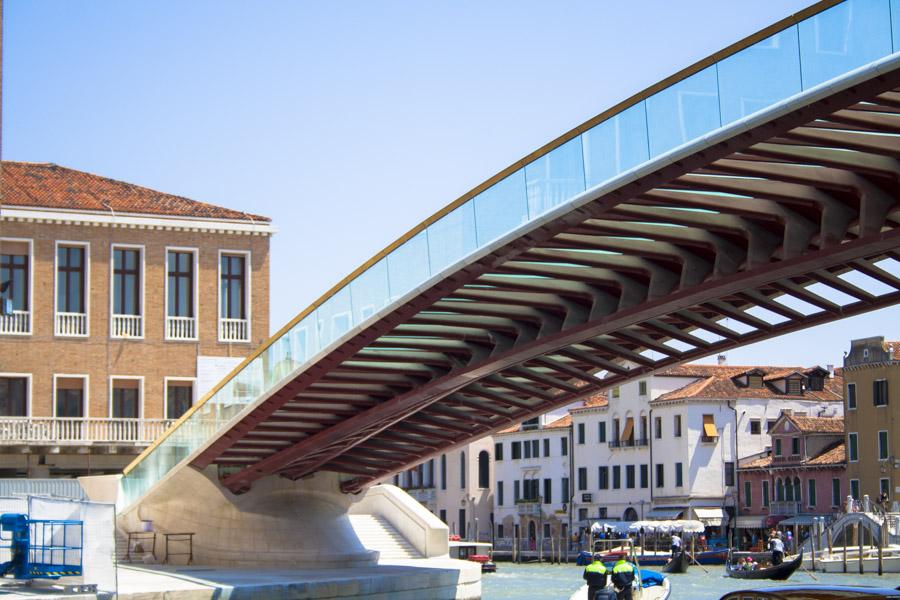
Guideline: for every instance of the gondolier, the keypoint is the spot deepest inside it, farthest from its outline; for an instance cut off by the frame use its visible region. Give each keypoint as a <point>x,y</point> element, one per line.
<point>676,544</point>
<point>777,548</point>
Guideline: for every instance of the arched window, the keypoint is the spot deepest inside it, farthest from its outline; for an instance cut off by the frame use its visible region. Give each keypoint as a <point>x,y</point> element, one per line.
<point>797,496</point>
<point>779,490</point>
<point>462,470</point>
<point>484,470</point>
<point>788,490</point>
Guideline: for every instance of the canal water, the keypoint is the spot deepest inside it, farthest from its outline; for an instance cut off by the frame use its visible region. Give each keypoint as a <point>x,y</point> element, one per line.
<point>558,582</point>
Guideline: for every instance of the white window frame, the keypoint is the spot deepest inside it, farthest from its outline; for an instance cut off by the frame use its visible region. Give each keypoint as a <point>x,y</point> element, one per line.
<point>112,287</point>
<point>140,379</point>
<point>87,284</point>
<point>855,397</point>
<point>166,381</point>
<point>248,293</point>
<point>87,393</point>
<point>28,393</point>
<point>840,498</point>
<point>856,436</point>
<point>850,489</point>
<point>887,487</point>
<point>31,311</point>
<point>196,253</point>
<point>886,400</point>
<point>887,450</point>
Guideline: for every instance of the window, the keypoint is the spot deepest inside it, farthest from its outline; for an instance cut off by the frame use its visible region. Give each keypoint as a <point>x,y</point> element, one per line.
<point>884,486</point>
<point>644,436</point>
<point>755,381</point>
<point>180,295</point>
<point>564,486</point>
<point>462,523</point>
<point>755,427</point>
<point>677,426</point>
<point>484,470</point>
<point>601,432</point>
<point>126,398</point>
<point>777,446</point>
<point>548,491</point>
<point>645,476</point>
<point>729,473</point>
<point>679,476</point>
<point>14,396</point>
<point>816,383</point>
<point>836,492</point>
<point>582,479</point>
<point>179,398</point>
<point>546,447</point>
<point>564,446</point>
<point>854,489</point>
<point>615,431</point>
<point>709,429</point>
<point>527,446</point>
<point>443,471</point>
<point>795,387</point>
<point>628,433</point>
<point>642,388</point>
<point>582,514</point>
<point>852,448</point>
<point>883,445</point>
<point>581,433</point>
<point>779,490</point>
<point>14,272</point>
<point>70,284</point>
<point>880,392</point>
<point>69,397</point>
<point>629,477</point>
<point>795,446</point>
<point>797,495</point>
<point>546,530</point>
<point>770,423</point>
<point>499,530</point>
<point>517,490</point>
<point>660,480</point>
<point>603,478</point>
<point>516,450</point>
<point>811,492</point>
<point>231,289</point>
<point>498,451</point>
<point>531,424</point>
<point>765,493</point>
<point>617,477</point>
<point>851,396</point>
<point>748,498</point>
<point>535,449</point>
<point>657,427</point>
<point>615,392</point>
<point>126,281</point>
<point>462,470</point>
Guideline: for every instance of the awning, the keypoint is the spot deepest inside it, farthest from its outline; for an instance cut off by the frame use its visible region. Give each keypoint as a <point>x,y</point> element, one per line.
<point>665,513</point>
<point>629,430</point>
<point>804,520</point>
<point>709,426</point>
<point>713,517</point>
<point>751,522</point>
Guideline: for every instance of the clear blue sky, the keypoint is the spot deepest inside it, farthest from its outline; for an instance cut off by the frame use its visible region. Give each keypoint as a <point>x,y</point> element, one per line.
<point>348,122</point>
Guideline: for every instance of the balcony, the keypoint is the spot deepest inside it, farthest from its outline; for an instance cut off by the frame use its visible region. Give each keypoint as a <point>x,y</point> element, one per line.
<point>529,508</point>
<point>181,328</point>
<point>234,330</point>
<point>17,431</point>
<point>709,439</point>
<point>784,508</point>
<point>632,443</point>
<point>71,324</point>
<point>18,322</point>
<point>423,495</point>
<point>127,326</point>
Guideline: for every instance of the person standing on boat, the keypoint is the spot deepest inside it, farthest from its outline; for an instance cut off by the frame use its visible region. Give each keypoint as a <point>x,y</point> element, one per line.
<point>676,544</point>
<point>595,575</point>
<point>777,548</point>
<point>623,575</point>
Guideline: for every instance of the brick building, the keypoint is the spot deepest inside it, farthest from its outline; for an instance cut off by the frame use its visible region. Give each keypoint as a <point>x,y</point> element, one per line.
<point>121,306</point>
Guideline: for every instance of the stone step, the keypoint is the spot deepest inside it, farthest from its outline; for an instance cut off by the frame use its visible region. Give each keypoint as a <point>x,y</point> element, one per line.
<point>376,533</point>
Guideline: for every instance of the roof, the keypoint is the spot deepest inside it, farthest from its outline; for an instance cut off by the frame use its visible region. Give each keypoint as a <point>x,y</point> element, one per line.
<point>835,454</point>
<point>893,348</point>
<point>45,185</point>
<point>595,401</point>
<point>819,424</point>
<point>565,421</point>
<point>718,381</point>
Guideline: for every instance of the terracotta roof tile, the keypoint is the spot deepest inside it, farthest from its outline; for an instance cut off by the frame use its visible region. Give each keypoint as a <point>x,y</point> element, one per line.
<point>758,463</point>
<point>834,455</point>
<point>45,185</point>
<point>819,424</point>
<point>717,381</point>
<point>565,421</point>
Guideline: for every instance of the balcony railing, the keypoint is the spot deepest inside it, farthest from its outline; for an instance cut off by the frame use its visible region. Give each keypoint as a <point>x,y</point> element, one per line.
<point>181,328</point>
<point>60,430</point>
<point>16,323</point>
<point>234,330</point>
<point>423,495</point>
<point>709,439</point>
<point>784,508</point>
<point>127,326</point>
<point>529,508</point>
<point>632,443</point>
<point>71,324</point>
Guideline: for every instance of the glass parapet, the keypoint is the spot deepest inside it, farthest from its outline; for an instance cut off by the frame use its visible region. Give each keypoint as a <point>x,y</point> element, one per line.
<point>826,45</point>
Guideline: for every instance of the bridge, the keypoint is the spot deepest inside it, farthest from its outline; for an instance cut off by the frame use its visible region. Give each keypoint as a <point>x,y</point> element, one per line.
<point>753,194</point>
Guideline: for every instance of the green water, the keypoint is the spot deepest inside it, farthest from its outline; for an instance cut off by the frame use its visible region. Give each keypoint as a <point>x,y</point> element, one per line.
<point>558,582</point>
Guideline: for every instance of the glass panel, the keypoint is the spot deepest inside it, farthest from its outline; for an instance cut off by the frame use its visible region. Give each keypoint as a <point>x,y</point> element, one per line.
<point>555,177</point>
<point>760,75</point>
<point>501,208</point>
<point>452,237</point>
<point>408,265</point>
<point>842,38</point>
<point>334,316</point>
<point>370,292</point>
<point>304,338</point>
<point>615,145</point>
<point>683,111</point>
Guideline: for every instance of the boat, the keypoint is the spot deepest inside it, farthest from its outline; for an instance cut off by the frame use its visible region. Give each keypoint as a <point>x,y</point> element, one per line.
<point>678,563</point>
<point>776,572</point>
<point>480,552</point>
<point>716,556</point>
<point>659,587</point>
<point>819,592</point>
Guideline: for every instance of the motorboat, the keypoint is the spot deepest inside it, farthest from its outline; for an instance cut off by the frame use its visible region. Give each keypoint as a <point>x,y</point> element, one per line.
<point>653,585</point>
<point>480,552</point>
<point>814,592</point>
<point>776,572</point>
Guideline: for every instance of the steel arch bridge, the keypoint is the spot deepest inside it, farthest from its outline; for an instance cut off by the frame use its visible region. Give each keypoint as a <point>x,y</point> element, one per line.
<point>589,263</point>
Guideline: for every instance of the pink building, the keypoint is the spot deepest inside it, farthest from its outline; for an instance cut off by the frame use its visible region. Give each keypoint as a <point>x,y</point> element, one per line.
<point>802,476</point>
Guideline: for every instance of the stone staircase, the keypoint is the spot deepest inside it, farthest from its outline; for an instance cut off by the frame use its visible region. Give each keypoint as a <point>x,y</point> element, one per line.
<point>376,533</point>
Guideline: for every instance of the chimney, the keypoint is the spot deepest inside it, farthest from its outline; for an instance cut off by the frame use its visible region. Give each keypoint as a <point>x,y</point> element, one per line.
<point>830,371</point>
<point>722,360</point>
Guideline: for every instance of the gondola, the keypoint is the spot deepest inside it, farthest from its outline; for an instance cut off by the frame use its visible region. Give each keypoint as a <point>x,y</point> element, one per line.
<point>678,563</point>
<point>777,572</point>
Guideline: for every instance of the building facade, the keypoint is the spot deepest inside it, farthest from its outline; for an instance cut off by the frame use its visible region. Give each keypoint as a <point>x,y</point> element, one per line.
<point>120,307</point>
<point>872,418</point>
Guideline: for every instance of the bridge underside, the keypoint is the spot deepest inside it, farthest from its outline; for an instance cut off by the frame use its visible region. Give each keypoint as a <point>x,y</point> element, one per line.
<point>790,224</point>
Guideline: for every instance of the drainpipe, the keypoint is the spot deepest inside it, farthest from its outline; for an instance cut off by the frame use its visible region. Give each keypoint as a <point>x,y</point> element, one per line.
<point>650,466</point>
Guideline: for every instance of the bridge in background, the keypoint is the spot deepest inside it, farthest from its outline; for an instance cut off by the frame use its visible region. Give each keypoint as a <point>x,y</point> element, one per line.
<point>753,194</point>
